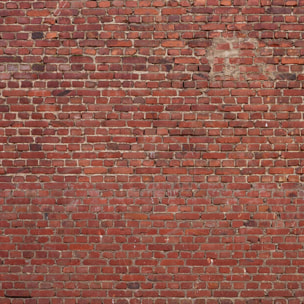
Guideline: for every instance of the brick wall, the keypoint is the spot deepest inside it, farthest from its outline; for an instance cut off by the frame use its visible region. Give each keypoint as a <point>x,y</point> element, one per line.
<point>151,151</point>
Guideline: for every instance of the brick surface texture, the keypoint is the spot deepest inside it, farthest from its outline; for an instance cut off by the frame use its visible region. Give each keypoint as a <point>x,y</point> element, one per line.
<point>151,152</point>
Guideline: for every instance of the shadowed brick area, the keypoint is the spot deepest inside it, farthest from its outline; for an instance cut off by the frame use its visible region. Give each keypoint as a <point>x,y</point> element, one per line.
<point>151,152</point>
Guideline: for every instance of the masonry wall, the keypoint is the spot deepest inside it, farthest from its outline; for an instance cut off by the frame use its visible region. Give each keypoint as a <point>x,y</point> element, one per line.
<point>151,152</point>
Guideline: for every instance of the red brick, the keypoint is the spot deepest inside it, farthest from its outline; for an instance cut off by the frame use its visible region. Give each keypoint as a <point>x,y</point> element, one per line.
<point>95,170</point>
<point>151,150</point>
<point>173,43</point>
<point>146,11</point>
<point>81,247</point>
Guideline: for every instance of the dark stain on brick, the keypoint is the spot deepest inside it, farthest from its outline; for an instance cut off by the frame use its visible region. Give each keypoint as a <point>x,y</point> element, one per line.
<point>168,67</point>
<point>112,146</point>
<point>200,76</point>
<point>63,93</point>
<point>205,68</point>
<point>250,223</point>
<point>133,285</point>
<point>38,67</point>
<point>37,35</point>
<point>287,76</point>
<point>292,194</point>
<point>35,147</point>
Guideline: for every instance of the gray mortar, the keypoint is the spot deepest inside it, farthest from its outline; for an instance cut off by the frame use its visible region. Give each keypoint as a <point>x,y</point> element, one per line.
<point>232,71</point>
